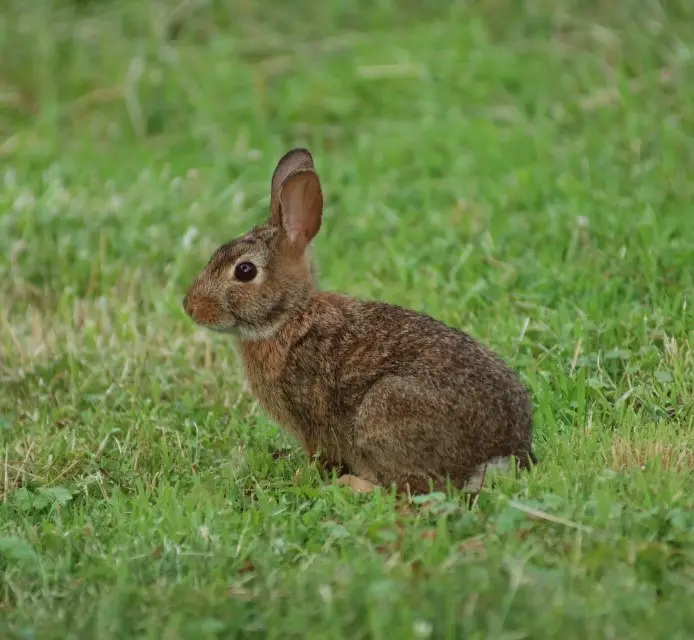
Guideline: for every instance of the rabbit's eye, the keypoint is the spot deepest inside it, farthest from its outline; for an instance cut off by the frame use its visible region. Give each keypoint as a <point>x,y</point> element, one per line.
<point>245,271</point>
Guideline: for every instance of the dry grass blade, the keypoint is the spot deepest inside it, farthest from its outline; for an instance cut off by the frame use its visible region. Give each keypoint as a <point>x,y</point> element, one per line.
<point>6,484</point>
<point>548,517</point>
<point>632,454</point>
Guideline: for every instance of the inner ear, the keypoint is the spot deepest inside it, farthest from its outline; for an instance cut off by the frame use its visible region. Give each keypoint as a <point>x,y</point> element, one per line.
<point>301,206</point>
<point>295,160</point>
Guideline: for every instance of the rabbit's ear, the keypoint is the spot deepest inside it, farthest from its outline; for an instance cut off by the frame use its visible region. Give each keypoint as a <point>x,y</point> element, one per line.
<point>291,162</point>
<point>301,206</point>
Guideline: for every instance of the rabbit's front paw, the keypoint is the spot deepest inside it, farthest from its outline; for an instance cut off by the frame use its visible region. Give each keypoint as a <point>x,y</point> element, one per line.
<point>356,484</point>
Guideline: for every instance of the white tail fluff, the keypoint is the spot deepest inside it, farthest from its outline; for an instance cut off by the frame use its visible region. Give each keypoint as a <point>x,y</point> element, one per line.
<point>502,464</point>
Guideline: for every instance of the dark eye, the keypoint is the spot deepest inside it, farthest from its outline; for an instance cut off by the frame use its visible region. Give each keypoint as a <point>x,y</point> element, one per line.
<point>245,271</point>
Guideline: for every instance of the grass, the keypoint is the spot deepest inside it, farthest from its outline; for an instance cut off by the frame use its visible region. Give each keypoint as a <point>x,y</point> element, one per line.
<point>520,170</point>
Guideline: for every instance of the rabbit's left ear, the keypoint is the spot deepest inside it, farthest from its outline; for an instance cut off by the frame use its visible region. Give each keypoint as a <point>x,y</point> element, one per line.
<point>301,206</point>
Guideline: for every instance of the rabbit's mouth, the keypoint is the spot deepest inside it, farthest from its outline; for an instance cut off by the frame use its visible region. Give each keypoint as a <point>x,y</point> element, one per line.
<point>243,331</point>
<point>206,312</point>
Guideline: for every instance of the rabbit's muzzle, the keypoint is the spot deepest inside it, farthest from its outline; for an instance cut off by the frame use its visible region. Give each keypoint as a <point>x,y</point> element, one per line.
<point>202,309</point>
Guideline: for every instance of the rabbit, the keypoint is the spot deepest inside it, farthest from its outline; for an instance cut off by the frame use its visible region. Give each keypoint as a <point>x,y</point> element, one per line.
<point>377,393</point>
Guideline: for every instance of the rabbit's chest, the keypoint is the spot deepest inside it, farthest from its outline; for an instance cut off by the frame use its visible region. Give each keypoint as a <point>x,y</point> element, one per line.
<point>303,404</point>
<point>303,408</point>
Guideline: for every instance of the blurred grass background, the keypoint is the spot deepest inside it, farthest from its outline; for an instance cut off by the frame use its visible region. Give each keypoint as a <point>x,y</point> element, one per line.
<point>518,169</point>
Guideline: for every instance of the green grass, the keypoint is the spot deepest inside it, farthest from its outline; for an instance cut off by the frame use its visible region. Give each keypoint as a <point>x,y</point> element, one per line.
<point>522,173</point>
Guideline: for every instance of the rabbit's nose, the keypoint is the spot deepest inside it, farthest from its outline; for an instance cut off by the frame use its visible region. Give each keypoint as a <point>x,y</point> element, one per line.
<point>200,308</point>
<point>189,304</point>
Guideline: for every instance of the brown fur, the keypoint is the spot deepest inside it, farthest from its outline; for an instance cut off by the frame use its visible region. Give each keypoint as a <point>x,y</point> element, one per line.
<point>390,394</point>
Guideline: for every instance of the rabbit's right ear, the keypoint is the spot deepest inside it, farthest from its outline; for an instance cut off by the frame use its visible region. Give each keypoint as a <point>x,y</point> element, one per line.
<point>291,162</point>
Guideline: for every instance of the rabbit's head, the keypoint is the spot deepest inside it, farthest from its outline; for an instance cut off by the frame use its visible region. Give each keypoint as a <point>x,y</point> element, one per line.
<point>253,284</point>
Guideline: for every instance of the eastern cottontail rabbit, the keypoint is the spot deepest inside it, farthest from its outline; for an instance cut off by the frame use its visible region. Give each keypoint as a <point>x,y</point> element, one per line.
<point>372,389</point>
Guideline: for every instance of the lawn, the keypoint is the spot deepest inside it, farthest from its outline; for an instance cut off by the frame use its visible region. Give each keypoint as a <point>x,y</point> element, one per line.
<point>522,171</point>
